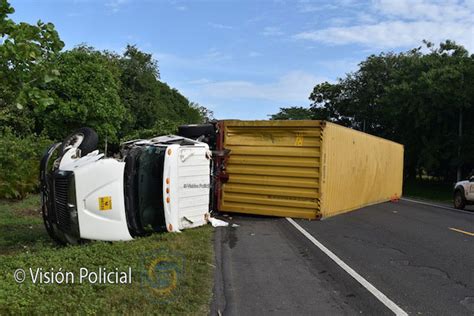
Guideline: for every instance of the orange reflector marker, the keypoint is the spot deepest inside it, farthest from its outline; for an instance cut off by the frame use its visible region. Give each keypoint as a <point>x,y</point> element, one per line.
<point>170,228</point>
<point>169,151</point>
<point>167,180</point>
<point>167,200</point>
<point>167,190</point>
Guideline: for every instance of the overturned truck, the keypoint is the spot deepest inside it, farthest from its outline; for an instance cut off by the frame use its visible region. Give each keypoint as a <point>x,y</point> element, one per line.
<point>303,169</point>
<point>158,184</point>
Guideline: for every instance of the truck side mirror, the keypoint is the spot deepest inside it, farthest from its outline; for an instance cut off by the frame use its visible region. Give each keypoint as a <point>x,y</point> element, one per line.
<point>471,179</point>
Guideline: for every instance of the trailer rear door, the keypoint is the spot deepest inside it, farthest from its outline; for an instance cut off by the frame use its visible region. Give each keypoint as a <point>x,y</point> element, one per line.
<point>273,168</point>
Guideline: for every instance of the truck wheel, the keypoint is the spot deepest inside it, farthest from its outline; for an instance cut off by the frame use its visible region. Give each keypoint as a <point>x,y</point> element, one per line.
<point>194,131</point>
<point>459,200</point>
<point>85,138</point>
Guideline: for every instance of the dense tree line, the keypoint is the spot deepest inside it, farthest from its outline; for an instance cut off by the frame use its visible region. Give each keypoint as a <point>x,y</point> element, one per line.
<point>46,92</point>
<point>422,98</point>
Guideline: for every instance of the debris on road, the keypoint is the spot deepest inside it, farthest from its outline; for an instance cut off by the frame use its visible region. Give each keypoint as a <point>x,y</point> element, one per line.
<point>217,222</point>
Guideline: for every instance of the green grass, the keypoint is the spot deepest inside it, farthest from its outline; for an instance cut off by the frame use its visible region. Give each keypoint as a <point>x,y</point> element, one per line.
<point>429,190</point>
<point>25,244</point>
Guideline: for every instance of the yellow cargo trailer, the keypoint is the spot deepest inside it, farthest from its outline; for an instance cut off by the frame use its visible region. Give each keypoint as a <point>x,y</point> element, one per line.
<point>306,169</point>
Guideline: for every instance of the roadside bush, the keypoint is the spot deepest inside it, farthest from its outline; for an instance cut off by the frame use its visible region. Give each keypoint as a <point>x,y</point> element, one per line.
<point>19,162</point>
<point>86,94</point>
<point>162,127</point>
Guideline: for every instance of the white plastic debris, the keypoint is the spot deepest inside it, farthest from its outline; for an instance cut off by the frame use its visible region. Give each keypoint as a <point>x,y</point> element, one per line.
<point>217,222</point>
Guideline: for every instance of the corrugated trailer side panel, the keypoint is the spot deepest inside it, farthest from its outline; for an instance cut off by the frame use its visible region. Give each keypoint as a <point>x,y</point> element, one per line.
<point>273,168</point>
<point>358,169</point>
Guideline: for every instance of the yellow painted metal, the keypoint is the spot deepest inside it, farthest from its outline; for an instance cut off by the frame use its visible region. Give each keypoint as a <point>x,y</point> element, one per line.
<point>273,168</point>
<point>307,169</point>
<point>358,169</point>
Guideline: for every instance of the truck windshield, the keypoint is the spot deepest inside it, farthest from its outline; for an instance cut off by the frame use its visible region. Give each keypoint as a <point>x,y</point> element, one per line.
<point>150,188</point>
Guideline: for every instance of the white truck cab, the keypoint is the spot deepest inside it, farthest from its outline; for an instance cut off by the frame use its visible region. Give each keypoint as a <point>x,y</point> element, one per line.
<point>464,193</point>
<point>158,184</point>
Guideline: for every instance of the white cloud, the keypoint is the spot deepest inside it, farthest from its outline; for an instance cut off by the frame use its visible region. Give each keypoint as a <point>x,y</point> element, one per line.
<point>178,5</point>
<point>366,18</point>
<point>199,81</point>
<point>211,58</point>
<point>255,54</point>
<point>337,21</point>
<point>294,86</point>
<point>272,31</point>
<point>256,19</point>
<point>210,62</point>
<point>115,5</point>
<point>73,14</point>
<point>310,6</point>
<point>338,67</point>
<point>220,26</point>
<point>216,55</point>
<point>402,23</point>
<point>393,34</point>
<point>426,10</point>
<point>306,6</point>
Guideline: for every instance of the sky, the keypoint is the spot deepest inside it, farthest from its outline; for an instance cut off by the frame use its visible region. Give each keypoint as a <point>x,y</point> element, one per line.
<point>245,59</point>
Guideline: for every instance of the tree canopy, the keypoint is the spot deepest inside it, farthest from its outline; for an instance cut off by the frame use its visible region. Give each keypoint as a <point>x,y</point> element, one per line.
<point>26,52</point>
<point>86,94</point>
<point>421,98</point>
<point>50,91</point>
<point>46,93</point>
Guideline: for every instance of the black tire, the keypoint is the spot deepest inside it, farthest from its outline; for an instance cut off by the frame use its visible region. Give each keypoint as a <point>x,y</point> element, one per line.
<point>194,131</point>
<point>459,200</point>
<point>87,144</point>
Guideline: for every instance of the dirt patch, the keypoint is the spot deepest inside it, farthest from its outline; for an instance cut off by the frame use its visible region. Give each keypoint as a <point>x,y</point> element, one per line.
<point>34,212</point>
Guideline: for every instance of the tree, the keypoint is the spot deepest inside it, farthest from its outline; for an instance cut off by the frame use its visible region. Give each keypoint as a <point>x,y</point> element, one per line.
<point>139,92</point>
<point>26,52</point>
<point>451,83</point>
<point>151,104</point>
<point>433,89</point>
<point>46,93</point>
<point>422,100</point>
<point>86,94</point>
<point>206,115</point>
<point>178,108</point>
<point>293,113</point>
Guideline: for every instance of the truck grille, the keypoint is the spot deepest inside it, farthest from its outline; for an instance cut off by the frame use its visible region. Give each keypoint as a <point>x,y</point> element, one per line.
<point>61,185</point>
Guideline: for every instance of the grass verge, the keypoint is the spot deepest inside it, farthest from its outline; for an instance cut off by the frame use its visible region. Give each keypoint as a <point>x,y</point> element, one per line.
<point>428,190</point>
<point>171,273</point>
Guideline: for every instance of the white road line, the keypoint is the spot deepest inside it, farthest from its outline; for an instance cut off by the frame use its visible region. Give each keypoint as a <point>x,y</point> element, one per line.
<point>438,206</point>
<point>372,289</point>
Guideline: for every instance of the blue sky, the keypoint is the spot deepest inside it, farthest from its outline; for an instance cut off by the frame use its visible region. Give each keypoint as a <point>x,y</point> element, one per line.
<point>246,59</point>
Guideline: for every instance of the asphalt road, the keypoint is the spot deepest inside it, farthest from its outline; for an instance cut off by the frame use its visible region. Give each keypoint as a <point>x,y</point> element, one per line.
<point>419,256</point>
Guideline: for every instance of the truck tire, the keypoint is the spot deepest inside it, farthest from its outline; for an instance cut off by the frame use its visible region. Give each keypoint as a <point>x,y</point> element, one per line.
<point>84,138</point>
<point>459,200</point>
<point>194,131</point>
